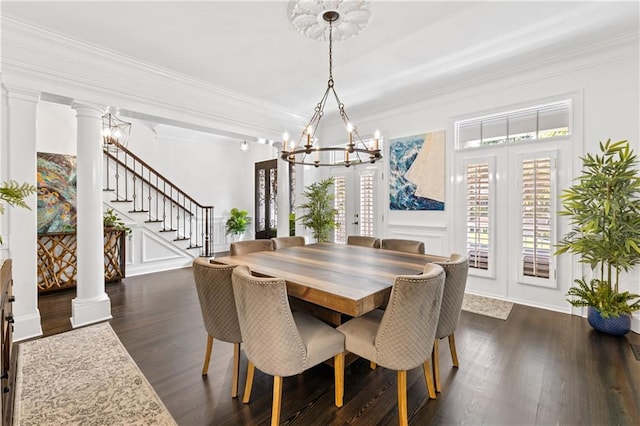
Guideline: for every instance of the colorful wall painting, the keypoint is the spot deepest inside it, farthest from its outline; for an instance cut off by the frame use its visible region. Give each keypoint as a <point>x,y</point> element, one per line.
<point>56,192</point>
<point>416,166</point>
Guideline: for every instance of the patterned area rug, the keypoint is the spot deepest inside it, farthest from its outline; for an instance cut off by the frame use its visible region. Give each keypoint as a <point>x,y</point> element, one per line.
<point>83,377</point>
<point>486,306</point>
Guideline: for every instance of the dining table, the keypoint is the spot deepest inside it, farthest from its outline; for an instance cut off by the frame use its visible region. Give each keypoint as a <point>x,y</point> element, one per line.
<point>332,279</point>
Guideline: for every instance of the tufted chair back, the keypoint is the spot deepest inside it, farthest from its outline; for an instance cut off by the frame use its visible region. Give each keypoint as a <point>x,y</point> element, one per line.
<point>357,240</point>
<point>456,270</point>
<point>284,242</point>
<point>407,246</point>
<point>251,246</point>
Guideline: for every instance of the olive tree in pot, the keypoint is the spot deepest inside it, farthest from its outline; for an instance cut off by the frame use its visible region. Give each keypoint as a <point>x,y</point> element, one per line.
<point>320,212</point>
<point>604,209</point>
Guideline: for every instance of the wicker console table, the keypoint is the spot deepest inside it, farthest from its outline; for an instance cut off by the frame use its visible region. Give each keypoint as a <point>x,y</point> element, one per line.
<point>57,259</point>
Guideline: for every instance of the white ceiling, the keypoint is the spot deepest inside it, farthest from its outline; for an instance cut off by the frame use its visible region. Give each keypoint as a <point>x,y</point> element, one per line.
<point>409,48</point>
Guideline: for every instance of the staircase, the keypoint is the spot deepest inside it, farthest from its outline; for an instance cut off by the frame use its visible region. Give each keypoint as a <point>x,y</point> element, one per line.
<point>170,228</point>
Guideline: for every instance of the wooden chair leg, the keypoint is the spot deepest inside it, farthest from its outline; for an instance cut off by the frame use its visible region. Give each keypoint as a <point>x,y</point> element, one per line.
<point>207,355</point>
<point>236,370</point>
<point>435,356</point>
<point>452,348</point>
<point>402,397</point>
<point>429,379</point>
<point>338,371</point>
<point>249,383</point>
<point>277,399</point>
<point>372,365</point>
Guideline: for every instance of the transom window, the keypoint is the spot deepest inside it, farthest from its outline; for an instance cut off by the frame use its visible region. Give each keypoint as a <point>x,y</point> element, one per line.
<point>539,122</point>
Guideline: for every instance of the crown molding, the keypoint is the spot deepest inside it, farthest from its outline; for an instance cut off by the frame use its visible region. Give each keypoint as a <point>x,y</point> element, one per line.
<point>49,62</point>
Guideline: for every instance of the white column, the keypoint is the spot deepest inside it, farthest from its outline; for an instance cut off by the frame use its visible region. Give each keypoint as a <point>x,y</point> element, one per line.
<point>92,303</point>
<point>282,199</point>
<point>21,235</point>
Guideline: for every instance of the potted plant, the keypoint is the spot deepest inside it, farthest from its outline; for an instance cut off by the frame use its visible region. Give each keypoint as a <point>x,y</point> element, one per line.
<point>14,193</point>
<point>604,208</point>
<point>238,223</point>
<point>320,211</point>
<point>111,220</point>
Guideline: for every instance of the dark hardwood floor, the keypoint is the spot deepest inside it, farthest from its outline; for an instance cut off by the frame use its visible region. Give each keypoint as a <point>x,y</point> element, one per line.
<point>536,368</point>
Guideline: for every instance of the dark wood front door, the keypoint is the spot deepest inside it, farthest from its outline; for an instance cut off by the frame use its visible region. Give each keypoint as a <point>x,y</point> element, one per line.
<point>266,207</point>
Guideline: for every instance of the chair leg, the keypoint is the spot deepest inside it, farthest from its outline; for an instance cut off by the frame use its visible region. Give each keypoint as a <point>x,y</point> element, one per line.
<point>207,355</point>
<point>236,370</point>
<point>372,365</point>
<point>338,371</point>
<point>435,356</point>
<point>277,399</point>
<point>249,383</point>
<point>428,378</point>
<point>454,353</point>
<point>402,397</point>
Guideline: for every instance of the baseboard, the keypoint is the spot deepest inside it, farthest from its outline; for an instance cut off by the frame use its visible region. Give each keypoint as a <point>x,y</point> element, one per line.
<point>27,327</point>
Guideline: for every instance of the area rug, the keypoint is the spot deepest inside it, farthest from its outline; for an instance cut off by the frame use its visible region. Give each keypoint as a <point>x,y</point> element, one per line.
<point>486,306</point>
<point>83,377</point>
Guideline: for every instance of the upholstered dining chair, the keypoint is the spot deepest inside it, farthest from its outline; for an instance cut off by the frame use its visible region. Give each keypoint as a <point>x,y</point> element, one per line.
<point>407,246</point>
<point>279,342</point>
<point>250,246</point>
<point>399,338</point>
<point>456,270</point>
<point>215,293</point>
<point>358,240</point>
<point>284,242</point>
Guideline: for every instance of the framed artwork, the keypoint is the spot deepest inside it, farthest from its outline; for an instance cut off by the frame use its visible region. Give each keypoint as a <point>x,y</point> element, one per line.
<point>56,192</point>
<point>416,172</point>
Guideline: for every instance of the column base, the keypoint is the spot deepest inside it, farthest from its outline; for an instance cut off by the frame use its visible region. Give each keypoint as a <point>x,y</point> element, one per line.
<point>27,326</point>
<point>89,311</point>
<point>635,322</point>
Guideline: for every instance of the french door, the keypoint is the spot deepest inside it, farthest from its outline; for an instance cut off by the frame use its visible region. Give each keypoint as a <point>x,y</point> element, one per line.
<point>356,201</point>
<point>266,206</point>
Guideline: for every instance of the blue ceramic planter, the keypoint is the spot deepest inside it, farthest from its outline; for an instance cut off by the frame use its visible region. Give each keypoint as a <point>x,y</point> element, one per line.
<point>615,326</point>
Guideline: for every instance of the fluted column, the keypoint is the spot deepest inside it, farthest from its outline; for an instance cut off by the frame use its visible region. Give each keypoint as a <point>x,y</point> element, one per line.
<point>21,235</point>
<point>92,303</point>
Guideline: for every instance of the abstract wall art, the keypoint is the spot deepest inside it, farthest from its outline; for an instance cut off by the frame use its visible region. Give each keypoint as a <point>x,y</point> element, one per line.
<point>416,172</point>
<point>56,192</point>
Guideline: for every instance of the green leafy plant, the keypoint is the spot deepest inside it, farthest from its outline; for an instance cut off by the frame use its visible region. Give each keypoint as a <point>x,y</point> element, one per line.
<point>110,219</point>
<point>320,212</point>
<point>238,223</point>
<point>14,193</point>
<point>604,208</point>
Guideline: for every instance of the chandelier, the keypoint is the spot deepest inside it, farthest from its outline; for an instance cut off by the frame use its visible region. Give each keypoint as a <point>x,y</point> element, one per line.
<point>307,151</point>
<point>114,130</point>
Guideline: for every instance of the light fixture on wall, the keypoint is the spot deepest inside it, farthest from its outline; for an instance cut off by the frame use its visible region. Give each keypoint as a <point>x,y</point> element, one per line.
<point>115,130</point>
<point>244,146</point>
<point>307,150</point>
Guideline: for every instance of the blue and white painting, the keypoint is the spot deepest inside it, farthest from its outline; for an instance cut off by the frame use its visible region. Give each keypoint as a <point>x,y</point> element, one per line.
<point>416,172</point>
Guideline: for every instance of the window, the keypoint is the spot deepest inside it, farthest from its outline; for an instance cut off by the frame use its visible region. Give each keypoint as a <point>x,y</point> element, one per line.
<point>536,218</point>
<point>367,206</point>
<point>479,195</point>
<point>340,194</point>
<point>540,122</point>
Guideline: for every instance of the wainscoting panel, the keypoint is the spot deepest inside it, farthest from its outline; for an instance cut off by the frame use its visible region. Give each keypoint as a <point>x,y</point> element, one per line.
<point>433,234</point>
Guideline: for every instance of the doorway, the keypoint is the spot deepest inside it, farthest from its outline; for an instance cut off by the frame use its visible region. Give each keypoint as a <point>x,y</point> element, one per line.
<point>266,206</point>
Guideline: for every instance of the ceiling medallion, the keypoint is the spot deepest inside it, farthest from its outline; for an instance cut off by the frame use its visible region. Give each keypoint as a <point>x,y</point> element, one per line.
<point>307,17</point>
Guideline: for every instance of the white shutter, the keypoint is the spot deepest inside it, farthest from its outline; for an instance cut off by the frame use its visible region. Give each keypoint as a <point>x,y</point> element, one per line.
<point>340,193</point>
<point>367,203</point>
<point>479,215</point>
<point>537,218</point>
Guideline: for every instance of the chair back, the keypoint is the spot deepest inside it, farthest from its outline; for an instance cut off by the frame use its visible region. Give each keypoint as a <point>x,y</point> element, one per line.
<point>358,240</point>
<point>405,337</point>
<point>271,339</point>
<point>284,242</point>
<point>251,246</point>
<point>215,293</point>
<point>407,246</point>
<point>456,270</point>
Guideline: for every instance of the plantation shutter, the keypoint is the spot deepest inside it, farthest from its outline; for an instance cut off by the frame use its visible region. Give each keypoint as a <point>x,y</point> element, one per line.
<point>478,215</point>
<point>536,218</point>
<point>340,188</point>
<point>367,206</point>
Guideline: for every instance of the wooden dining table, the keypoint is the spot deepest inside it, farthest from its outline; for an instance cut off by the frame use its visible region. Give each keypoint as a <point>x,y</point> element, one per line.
<point>334,279</point>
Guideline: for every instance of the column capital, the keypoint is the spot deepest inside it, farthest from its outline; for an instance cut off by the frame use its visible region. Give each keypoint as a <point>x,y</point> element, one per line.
<point>21,93</point>
<point>86,109</point>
